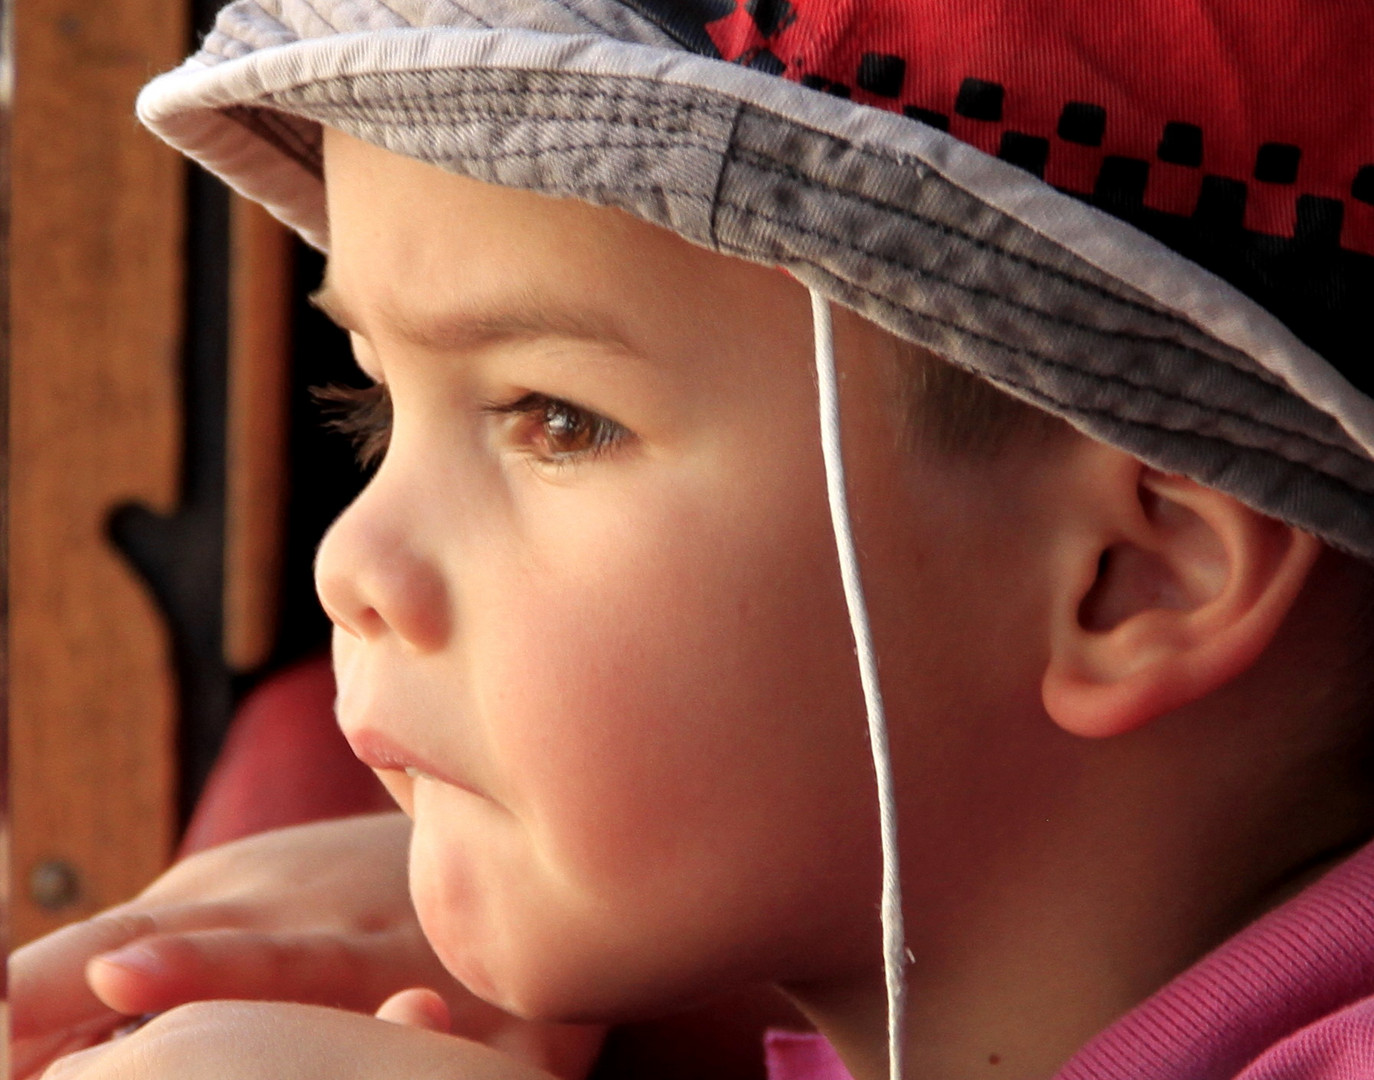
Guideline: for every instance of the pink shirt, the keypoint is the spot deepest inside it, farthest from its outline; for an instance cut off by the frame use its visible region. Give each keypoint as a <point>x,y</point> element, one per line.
<point>1291,997</point>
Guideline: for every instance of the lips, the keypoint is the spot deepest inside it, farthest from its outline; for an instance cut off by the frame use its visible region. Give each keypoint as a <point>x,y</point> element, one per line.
<point>379,751</point>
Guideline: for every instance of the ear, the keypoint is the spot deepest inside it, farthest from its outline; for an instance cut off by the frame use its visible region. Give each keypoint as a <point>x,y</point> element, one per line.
<point>1167,590</point>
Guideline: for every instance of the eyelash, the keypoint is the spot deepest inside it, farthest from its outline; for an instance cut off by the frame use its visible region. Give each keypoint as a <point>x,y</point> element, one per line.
<point>364,415</point>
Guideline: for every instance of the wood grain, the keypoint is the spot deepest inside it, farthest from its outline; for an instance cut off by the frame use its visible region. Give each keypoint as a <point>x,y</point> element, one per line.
<point>259,386</point>
<point>96,278</point>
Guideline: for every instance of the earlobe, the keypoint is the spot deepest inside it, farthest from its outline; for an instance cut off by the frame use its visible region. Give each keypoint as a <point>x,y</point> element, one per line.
<point>1171,591</point>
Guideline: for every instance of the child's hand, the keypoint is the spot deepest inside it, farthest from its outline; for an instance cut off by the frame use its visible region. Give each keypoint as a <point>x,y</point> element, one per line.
<point>566,1050</point>
<point>237,1040</point>
<point>317,914</point>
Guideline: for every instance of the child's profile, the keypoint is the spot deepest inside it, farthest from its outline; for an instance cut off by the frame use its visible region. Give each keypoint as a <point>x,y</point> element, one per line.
<point>1110,470</point>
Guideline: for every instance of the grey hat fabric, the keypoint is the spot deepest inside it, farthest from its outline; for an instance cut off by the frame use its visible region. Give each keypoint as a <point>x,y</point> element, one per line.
<point>1053,300</point>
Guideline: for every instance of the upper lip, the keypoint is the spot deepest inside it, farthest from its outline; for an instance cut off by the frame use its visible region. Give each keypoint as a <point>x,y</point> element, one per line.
<point>379,751</point>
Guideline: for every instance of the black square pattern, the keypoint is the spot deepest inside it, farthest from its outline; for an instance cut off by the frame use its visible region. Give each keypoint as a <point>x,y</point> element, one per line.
<point>1082,123</point>
<point>929,117</point>
<point>1277,163</point>
<point>1319,220</point>
<point>1362,187</point>
<point>1221,203</point>
<point>686,20</point>
<point>820,82</point>
<point>1030,152</point>
<point>1121,182</point>
<point>881,74</point>
<point>767,62</point>
<point>980,100</point>
<point>1181,144</point>
<point>770,16</point>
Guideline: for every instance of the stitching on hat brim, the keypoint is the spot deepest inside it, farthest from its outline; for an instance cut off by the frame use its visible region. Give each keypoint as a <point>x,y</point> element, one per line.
<point>492,107</point>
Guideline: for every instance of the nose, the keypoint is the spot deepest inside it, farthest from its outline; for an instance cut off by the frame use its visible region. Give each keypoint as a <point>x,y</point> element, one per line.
<point>374,575</point>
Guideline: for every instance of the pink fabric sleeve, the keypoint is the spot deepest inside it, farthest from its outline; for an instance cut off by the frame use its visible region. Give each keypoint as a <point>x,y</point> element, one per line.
<point>1337,1047</point>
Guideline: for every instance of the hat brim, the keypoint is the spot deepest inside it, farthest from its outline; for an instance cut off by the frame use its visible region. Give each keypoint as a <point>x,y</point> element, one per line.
<point>1053,300</point>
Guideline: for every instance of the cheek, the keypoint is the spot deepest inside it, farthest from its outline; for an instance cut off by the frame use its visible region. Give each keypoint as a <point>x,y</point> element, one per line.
<point>676,687</point>
<point>667,713</point>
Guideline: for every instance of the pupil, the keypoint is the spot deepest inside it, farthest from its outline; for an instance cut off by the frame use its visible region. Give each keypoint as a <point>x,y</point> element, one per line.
<point>562,424</point>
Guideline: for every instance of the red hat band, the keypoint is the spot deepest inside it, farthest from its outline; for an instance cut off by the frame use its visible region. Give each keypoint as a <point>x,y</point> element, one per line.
<point>1243,140</point>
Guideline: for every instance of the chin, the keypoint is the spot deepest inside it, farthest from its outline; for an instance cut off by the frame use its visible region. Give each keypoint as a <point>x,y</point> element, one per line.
<point>557,974</point>
<point>524,940</point>
<point>540,984</point>
<point>545,995</point>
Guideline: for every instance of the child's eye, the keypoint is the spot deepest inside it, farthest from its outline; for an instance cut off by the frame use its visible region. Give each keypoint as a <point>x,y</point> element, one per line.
<point>549,429</point>
<point>361,413</point>
<point>557,432</point>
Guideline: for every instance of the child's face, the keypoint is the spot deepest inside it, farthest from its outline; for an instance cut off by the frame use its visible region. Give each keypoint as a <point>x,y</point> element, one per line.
<point>592,591</point>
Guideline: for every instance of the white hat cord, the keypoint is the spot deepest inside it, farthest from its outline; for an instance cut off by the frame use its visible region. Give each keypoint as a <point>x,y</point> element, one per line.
<point>894,945</point>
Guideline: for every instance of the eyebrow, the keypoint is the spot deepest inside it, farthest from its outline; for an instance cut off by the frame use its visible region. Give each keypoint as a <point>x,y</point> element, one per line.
<point>525,316</point>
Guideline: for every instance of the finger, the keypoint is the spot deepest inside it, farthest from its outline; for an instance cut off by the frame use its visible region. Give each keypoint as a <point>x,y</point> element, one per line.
<point>418,1007</point>
<point>48,991</point>
<point>160,972</point>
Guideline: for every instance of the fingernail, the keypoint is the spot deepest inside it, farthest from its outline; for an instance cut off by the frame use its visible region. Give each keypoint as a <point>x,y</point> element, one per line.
<point>136,957</point>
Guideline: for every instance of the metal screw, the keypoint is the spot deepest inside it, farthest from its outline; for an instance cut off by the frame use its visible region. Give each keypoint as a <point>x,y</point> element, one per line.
<point>54,884</point>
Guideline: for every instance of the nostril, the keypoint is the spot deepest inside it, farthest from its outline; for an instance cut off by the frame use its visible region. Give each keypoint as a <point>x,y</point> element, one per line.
<point>376,577</point>
<point>369,593</point>
<point>361,623</point>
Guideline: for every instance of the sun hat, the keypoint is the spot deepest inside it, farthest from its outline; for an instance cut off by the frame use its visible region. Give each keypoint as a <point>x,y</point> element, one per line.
<point>1158,223</point>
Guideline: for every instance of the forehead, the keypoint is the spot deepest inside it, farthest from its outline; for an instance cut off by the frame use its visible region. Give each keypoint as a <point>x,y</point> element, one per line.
<point>404,229</point>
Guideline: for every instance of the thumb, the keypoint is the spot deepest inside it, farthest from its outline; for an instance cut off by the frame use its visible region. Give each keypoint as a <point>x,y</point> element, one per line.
<point>417,1007</point>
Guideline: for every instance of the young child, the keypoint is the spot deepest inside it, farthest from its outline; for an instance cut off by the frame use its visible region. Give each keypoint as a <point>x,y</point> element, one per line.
<point>589,628</point>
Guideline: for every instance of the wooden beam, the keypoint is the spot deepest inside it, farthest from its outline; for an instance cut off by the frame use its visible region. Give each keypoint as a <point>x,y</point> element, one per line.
<point>96,278</point>
<point>259,390</point>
